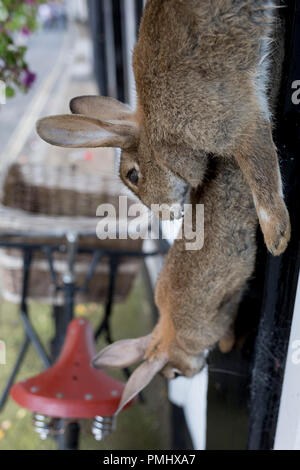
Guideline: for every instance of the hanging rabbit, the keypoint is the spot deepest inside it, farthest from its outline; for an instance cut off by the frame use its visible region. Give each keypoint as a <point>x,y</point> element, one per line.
<point>201,72</point>
<point>198,291</point>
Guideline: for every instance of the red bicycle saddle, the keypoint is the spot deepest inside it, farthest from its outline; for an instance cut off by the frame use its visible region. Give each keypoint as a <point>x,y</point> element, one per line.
<point>71,388</point>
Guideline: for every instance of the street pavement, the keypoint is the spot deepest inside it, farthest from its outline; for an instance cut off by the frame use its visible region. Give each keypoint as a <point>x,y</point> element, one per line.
<point>63,63</point>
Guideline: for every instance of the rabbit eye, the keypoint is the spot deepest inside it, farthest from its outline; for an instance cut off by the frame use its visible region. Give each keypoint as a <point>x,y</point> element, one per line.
<point>133,176</point>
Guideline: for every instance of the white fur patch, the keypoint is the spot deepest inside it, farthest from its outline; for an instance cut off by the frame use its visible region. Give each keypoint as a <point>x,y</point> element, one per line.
<point>280,190</point>
<point>178,186</point>
<point>264,215</point>
<point>261,77</point>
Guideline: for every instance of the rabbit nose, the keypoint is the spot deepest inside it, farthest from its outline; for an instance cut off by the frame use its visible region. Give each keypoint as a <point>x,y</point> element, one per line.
<point>176,211</point>
<point>177,373</point>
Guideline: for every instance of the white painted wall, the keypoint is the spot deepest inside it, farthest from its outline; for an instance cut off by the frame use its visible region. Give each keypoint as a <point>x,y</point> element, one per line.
<point>191,395</point>
<point>288,425</point>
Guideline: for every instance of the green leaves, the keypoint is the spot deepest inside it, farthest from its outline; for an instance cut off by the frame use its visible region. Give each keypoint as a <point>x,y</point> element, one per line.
<point>10,92</point>
<point>3,12</point>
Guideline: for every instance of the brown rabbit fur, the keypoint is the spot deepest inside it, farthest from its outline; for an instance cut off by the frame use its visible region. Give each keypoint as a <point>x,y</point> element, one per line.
<point>198,292</point>
<point>200,79</point>
<point>201,72</point>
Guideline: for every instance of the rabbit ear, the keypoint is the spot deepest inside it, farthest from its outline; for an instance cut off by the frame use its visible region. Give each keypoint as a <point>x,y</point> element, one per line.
<point>82,131</point>
<point>101,107</point>
<point>122,353</point>
<point>140,378</point>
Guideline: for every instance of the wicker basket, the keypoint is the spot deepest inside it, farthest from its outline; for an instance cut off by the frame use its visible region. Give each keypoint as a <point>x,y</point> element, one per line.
<point>38,198</point>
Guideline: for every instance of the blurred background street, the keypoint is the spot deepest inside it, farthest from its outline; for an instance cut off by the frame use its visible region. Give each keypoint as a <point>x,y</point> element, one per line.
<point>60,53</point>
<point>43,42</point>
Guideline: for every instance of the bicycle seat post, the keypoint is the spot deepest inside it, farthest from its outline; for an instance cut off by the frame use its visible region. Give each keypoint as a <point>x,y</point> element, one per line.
<point>69,285</point>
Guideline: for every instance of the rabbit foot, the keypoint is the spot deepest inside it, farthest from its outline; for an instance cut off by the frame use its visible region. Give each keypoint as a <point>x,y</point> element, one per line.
<point>276,228</point>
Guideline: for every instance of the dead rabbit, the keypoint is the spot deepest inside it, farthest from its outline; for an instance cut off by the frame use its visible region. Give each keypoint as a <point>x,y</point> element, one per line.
<point>201,70</point>
<point>198,291</point>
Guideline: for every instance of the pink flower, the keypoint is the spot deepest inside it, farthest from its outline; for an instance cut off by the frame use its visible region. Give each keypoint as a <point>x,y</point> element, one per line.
<point>28,78</point>
<point>25,31</point>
